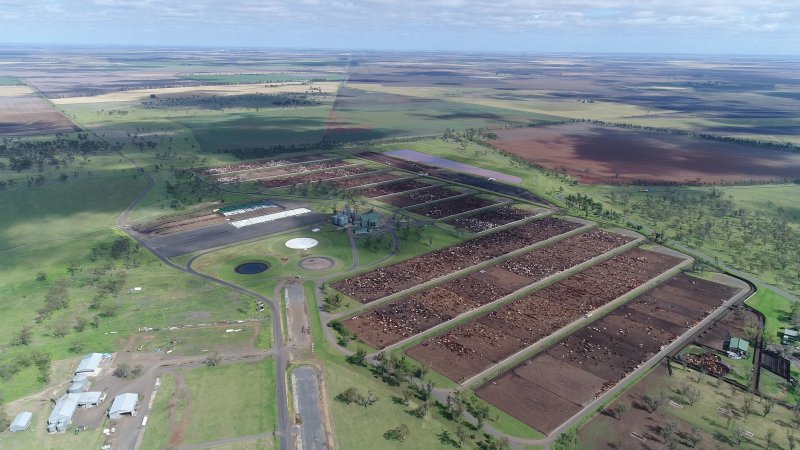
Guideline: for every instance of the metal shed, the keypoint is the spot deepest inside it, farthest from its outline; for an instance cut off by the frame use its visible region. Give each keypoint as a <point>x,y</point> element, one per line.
<point>79,383</point>
<point>90,364</point>
<point>61,417</point>
<point>90,399</point>
<point>124,404</point>
<point>22,422</point>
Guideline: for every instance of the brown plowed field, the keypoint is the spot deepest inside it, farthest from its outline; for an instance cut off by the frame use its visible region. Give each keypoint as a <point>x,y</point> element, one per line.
<point>419,197</point>
<point>453,207</point>
<point>316,176</point>
<point>424,310</point>
<point>603,154</point>
<point>282,170</point>
<point>379,283</point>
<point>491,219</point>
<point>392,188</point>
<point>551,387</point>
<point>23,113</point>
<point>363,181</point>
<point>261,164</point>
<point>509,329</point>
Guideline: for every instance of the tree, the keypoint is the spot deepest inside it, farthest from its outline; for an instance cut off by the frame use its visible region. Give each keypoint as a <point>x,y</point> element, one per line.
<point>123,371</point>
<point>694,437</point>
<point>24,337</point>
<point>80,324</point>
<point>791,438</point>
<point>399,433</point>
<point>619,410</point>
<point>358,357</point>
<point>41,276</point>
<point>76,347</point>
<point>61,330</point>
<point>408,394</point>
<point>652,403</point>
<point>461,434</point>
<point>693,395</point>
<point>481,413</point>
<point>770,438</point>
<point>5,422</point>
<point>420,411</point>
<point>768,403</point>
<point>213,360</point>
<point>667,432</point>
<point>455,406</point>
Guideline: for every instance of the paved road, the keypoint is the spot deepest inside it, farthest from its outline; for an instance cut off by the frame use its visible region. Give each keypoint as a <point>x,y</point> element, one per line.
<point>284,424</point>
<point>305,386</point>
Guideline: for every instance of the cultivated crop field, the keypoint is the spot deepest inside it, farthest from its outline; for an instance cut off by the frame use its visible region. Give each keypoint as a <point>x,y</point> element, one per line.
<point>482,342</point>
<point>22,112</point>
<point>602,154</point>
<point>424,310</point>
<point>379,283</point>
<point>549,388</point>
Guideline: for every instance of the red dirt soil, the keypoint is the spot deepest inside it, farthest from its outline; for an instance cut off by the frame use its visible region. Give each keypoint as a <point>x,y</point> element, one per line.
<point>501,333</point>
<point>604,154</point>
<point>575,371</point>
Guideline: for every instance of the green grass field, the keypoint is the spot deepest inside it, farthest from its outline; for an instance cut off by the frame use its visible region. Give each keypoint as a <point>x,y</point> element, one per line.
<point>210,406</point>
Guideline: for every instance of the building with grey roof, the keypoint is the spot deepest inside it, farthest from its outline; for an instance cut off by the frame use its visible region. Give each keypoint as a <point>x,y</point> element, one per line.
<point>22,422</point>
<point>78,384</point>
<point>123,405</point>
<point>61,417</point>
<point>90,364</point>
<point>91,399</point>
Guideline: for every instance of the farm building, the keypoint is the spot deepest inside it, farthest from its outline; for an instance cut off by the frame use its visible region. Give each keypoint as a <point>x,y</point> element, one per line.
<point>79,383</point>
<point>124,405</point>
<point>790,336</point>
<point>21,422</point>
<point>738,347</point>
<point>90,364</point>
<point>91,399</point>
<point>61,417</point>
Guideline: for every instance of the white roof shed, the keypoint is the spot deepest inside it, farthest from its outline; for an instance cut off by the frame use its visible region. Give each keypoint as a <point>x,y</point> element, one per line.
<point>61,417</point>
<point>90,363</point>
<point>21,422</point>
<point>124,404</point>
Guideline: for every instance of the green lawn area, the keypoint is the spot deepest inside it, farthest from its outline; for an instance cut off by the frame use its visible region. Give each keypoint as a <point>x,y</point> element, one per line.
<point>283,261</point>
<point>220,402</point>
<point>777,310</point>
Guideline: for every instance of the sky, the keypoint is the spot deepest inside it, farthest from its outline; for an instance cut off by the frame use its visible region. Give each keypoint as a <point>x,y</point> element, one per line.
<point>769,27</point>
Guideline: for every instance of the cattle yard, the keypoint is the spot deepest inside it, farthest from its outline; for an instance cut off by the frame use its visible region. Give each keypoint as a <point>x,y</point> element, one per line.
<point>420,196</point>
<point>485,221</point>
<point>477,345</point>
<point>278,171</point>
<point>393,188</point>
<point>341,170</point>
<point>554,385</point>
<point>390,280</point>
<point>365,180</point>
<point>457,206</point>
<point>424,310</point>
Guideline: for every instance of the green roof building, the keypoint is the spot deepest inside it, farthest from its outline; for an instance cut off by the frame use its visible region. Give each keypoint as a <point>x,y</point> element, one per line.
<point>738,345</point>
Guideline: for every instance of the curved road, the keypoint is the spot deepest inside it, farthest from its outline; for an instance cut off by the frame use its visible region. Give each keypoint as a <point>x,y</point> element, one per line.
<point>284,424</point>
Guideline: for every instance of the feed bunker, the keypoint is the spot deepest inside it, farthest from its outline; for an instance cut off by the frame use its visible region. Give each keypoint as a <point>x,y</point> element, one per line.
<point>477,345</point>
<point>379,283</point>
<point>419,312</point>
<point>549,388</point>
